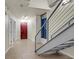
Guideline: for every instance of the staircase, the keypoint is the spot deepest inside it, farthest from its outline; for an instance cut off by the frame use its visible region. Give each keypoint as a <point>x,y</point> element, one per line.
<point>61,30</point>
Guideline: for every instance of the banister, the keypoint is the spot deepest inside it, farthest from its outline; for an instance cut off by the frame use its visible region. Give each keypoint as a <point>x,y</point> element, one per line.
<point>47,20</point>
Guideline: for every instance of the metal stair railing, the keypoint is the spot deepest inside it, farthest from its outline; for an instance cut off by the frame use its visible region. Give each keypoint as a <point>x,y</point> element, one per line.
<point>46,22</point>
<point>70,41</point>
<point>60,47</point>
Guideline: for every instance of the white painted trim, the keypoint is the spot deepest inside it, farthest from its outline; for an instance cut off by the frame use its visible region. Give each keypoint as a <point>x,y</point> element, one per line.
<point>66,54</point>
<point>8,49</point>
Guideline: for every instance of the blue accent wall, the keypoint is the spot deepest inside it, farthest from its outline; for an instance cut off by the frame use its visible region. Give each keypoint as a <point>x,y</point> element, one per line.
<point>43,31</point>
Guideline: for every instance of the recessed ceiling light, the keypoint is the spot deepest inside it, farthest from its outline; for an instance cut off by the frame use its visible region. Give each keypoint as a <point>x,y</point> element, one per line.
<point>26,17</point>
<point>27,21</point>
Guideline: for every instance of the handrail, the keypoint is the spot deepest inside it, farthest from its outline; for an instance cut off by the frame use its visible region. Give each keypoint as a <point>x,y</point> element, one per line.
<point>46,21</point>
<point>57,34</point>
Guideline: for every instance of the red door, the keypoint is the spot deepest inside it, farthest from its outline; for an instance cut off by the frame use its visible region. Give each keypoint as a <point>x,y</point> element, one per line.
<point>23,30</point>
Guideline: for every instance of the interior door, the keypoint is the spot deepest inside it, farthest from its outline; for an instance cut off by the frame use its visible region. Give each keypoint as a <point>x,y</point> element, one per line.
<point>24,30</point>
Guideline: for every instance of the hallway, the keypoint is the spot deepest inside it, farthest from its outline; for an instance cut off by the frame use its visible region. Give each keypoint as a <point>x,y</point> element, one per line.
<point>24,49</point>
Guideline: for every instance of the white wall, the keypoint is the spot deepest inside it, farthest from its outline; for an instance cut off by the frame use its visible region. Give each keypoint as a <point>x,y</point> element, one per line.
<point>6,33</point>
<point>38,27</point>
<point>32,28</point>
<point>17,30</point>
<point>9,32</point>
<point>69,51</point>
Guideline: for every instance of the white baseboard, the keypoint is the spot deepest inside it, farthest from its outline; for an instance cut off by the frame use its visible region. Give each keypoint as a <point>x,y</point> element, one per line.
<point>8,49</point>
<point>66,54</point>
<point>10,46</point>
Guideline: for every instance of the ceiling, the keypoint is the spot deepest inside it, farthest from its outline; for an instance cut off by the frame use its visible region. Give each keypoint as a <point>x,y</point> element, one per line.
<point>21,8</point>
<point>43,4</point>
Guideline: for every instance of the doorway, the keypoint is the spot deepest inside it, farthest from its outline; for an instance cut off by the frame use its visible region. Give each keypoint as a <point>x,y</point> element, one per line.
<point>23,32</point>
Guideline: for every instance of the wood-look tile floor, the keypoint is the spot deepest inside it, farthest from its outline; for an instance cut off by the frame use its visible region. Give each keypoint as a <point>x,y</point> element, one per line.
<point>24,49</point>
